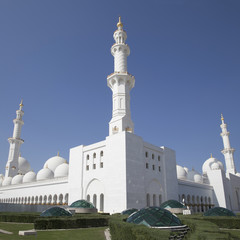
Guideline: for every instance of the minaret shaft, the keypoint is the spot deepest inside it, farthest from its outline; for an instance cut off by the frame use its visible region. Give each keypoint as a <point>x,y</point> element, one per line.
<point>227,150</point>
<point>15,144</point>
<point>120,82</point>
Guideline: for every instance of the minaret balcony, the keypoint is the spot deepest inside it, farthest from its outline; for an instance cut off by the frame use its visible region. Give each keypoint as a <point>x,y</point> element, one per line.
<point>13,140</point>
<point>228,150</point>
<point>121,78</point>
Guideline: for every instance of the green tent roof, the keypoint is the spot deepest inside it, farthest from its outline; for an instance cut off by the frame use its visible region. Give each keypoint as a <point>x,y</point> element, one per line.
<point>81,204</point>
<point>55,212</point>
<point>219,211</point>
<point>154,217</point>
<point>172,204</point>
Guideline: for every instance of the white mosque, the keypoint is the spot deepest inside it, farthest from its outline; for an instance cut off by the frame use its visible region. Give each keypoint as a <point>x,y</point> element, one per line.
<point>122,171</point>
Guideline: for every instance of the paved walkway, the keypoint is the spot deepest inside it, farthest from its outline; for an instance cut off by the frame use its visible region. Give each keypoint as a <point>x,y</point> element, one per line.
<point>107,234</point>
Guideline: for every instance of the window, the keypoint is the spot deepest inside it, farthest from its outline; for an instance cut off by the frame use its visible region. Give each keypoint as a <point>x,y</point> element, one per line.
<point>87,157</point>
<point>94,155</point>
<point>101,153</point>
<point>159,169</point>
<point>148,200</point>
<point>147,165</point>
<point>153,166</point>
<point>87,167</point>
<point>153,156</point>
<point>146,154</point>
<point>101,165</point>
<point>94,166</point>
<point>159,158</point>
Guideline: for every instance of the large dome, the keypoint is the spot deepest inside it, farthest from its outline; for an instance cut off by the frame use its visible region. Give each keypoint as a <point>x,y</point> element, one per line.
<point>54,162</point>
<point>181,173</point>
<point>17,179</point>
<point>7,181</point>
<point>154,217</point>
<point>23,165</point>
<point>212,164</point>
<point>29,177</point>
<point>44,174</point>
<point>172,204</point>
<point>61,170</point>
<point>195,176</point>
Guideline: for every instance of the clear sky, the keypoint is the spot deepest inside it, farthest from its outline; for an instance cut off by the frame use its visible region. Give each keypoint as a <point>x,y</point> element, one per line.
<point>185,56</point>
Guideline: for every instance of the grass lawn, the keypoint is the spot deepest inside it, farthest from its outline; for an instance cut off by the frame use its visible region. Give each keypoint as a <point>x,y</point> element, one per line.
<point>81,234</point>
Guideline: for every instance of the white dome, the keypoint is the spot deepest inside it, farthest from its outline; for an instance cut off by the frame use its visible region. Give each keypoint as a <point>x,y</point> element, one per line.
<point>29,177</point>
<point>195,176</point>
<point>212,164</point>
<point>61,170</point>
<point>44,173</point>
<point>17,179</point>
<point>7,181</point>
<point>23,165</point>
<point>53,162</point>
<point>181,172</point>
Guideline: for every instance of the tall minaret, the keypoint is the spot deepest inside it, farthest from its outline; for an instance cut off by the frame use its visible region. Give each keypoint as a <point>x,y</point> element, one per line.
<point>15,143</point>
<point>227,150</point>
<point>120,82</point>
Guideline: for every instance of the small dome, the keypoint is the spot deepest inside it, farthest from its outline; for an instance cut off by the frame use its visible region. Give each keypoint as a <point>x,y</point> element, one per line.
<point>29,177</point>
<point>53,162</point>
<point>154,217</point>
<point>23,165</point>
<point>55,212</point>
<point>61,170</point>
<point>17,179</point>
<point>181,172</point>
<point>7,181</point>
<point>212,164</point>
<point>215,166</point>
<point>129,211</point>
<point>195,176</point>
<point>219,211</point>
<point>81,204</point>
<point>44,173</point>
<point>172,204</point>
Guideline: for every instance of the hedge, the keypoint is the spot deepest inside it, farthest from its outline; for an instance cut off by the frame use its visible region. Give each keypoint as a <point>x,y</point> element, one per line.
<point>208,227</point>
<point>18,217</point>
<point>70,222</point>
<point>121,230</point>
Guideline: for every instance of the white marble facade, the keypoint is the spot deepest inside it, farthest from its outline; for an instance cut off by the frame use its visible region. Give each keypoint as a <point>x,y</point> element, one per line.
<point>122,171</point>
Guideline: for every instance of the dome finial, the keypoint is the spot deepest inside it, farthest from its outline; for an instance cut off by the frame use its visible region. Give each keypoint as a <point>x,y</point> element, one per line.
<point>222,118</point>
<point>119,24</point>
<point>21,105</point>
<point>58,154</point>
<point>211,155</point>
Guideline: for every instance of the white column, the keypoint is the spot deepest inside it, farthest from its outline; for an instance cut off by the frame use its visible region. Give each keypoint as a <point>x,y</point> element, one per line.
<point>227,150</point>
<point>120,82</point>
<point>15,144</point>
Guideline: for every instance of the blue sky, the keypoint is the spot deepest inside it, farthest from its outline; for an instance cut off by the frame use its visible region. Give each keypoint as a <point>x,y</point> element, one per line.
<point>185,56</point>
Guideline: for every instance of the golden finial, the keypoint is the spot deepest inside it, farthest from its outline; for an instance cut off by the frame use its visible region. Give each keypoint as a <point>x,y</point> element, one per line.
<point>58,154</point>
<point>21,103</point>
<point>119,22</point>
<point>222,117</point>
<point>211,155</point>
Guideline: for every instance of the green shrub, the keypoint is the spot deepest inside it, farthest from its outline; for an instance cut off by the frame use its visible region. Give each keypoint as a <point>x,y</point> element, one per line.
<point>18,217</point>
<point>70,222</point>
